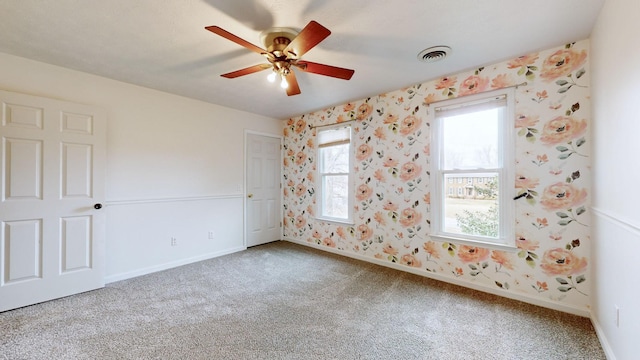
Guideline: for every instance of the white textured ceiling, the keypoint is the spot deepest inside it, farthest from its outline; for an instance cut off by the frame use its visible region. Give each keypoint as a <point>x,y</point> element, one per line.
<point>162,44</point>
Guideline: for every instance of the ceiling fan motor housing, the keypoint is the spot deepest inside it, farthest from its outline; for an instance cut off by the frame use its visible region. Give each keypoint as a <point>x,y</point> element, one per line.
<point>277,47</point>
<point>280,61</point>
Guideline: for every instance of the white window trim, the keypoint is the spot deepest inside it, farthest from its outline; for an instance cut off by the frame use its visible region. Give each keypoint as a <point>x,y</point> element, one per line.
<point>350,175</point>
<point>506,241</point>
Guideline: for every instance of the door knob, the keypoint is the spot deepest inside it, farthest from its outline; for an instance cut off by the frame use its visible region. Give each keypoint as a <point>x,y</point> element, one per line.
<point>250,196</point>
<point>97,206</point>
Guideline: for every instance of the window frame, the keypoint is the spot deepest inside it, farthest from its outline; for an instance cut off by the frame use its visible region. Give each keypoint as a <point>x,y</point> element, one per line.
<point>350,177</point>
<point>505,170</point>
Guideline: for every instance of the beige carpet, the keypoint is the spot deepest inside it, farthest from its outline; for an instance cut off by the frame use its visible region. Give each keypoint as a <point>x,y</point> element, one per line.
<point>286,301</point>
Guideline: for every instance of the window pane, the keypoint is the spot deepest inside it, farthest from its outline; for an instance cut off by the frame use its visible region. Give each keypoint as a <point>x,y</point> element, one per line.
<point>474,210</point>
<point>335,199</point>
<point>334,159</point>
<point>334,135</point>
<point>470,140</point>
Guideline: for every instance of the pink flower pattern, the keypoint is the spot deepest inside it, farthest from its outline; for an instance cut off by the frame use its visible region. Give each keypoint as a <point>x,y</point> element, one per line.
<point>392,211</point>
<point>473,84</point>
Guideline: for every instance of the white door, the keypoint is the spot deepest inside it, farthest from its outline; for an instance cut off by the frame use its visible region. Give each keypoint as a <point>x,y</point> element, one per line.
<point>263,189</point>
<point>51,227</point>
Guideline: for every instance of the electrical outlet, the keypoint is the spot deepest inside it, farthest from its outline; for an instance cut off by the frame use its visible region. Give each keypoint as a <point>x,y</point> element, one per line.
<point>212,235</point>
<point>174,241</point>
<point>617,316</point>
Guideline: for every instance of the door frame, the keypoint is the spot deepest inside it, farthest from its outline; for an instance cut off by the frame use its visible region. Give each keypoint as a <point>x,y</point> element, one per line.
<point>245,178</point>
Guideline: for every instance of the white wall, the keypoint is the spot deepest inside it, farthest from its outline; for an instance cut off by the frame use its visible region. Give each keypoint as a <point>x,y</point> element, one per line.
<point>174,166</point>
<point>616,221</point>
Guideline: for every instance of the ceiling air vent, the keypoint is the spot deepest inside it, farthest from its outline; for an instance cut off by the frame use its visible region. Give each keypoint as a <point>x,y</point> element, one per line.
<point>433,54</point>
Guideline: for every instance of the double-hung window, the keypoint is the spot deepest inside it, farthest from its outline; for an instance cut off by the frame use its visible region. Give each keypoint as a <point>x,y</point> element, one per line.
<point>335,163</point>
<point>471,137</point>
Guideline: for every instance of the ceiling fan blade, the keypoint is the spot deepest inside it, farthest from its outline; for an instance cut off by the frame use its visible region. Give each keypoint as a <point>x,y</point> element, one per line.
<point>310,36</point>
<point>246,71</point>
<point>227,35</point>
<point>293,88</point>
<point>327,70</point>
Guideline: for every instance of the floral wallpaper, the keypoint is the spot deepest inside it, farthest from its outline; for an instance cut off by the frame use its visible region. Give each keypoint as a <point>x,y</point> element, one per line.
<point>392,208</point>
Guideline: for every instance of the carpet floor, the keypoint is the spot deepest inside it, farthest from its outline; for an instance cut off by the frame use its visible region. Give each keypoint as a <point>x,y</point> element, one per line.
<point>287,301</point>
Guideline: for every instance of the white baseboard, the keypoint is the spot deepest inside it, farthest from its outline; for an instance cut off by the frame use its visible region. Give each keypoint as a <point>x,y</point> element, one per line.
<point>169,265</point>
<point>480,287</point>
<point>608,352</point>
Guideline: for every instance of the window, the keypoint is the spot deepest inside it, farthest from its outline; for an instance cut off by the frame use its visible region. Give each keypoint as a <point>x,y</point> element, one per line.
<point>473,137</point>
<point>335,193</point>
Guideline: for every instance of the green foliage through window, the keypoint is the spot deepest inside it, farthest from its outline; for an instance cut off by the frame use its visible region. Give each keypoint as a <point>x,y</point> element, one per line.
<point>483,223</point>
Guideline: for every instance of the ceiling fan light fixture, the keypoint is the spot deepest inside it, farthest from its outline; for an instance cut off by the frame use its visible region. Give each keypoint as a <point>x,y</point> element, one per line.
<point>434,53</point>
<point>271,77</point>
<point>284,84</point>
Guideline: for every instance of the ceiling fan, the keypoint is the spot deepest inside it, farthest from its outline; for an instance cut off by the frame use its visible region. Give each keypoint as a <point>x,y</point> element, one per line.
<point>285,47</point>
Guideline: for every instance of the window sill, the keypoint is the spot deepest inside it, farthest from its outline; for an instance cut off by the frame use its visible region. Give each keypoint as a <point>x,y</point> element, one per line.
<point>478,243</point>
<point>336,221</point>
